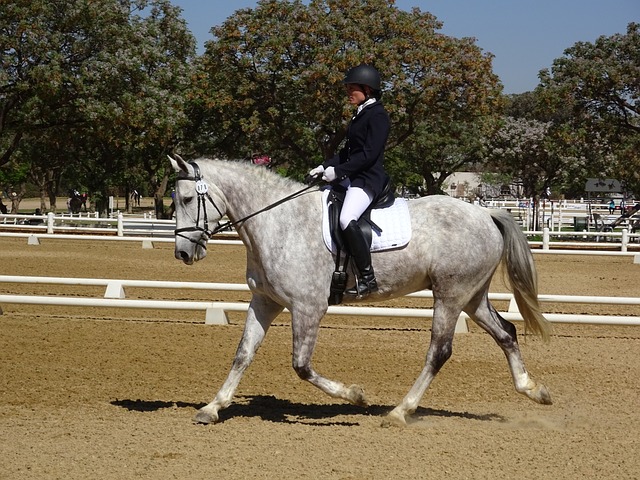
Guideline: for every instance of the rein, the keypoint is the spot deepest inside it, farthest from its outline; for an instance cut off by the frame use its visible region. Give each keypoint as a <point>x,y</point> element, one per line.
<point>202,189</point>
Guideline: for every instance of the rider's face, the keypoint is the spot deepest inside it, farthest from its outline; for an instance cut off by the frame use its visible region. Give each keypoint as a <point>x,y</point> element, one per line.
<point>356,93</point>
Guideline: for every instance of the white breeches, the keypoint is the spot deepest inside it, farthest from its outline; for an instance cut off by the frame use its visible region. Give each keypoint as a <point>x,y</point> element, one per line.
<point>356,201</point>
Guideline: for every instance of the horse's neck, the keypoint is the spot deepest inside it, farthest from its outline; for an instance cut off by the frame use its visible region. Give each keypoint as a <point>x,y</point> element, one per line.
<point>248,191</point>
<point>242,191</point>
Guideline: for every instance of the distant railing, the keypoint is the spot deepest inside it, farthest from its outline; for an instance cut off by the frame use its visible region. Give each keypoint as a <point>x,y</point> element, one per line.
<point>567,214</point>
<point>622,241</point>
<point>130,227</point>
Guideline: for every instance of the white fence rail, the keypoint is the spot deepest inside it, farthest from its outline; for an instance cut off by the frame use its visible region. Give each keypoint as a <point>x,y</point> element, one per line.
<point>215,312</point>
<point>229,238</point>
<point>567,214</point>
<point>119,225</point>
<point>135,227</point>
<point>620,240</point>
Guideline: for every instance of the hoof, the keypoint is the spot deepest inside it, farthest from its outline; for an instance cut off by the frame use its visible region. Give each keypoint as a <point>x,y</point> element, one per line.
<point>394,419</point>
<point>539,394</point>
<point>204,417</point>
<point>356,396</point>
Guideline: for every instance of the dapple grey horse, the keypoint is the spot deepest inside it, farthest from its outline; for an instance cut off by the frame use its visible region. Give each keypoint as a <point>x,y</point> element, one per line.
<point>454,251</point>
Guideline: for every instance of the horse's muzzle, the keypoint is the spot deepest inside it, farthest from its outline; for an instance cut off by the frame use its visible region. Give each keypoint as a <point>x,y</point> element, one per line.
<point>185,257</point>
<point>191,252</point>
<point>189,249</point>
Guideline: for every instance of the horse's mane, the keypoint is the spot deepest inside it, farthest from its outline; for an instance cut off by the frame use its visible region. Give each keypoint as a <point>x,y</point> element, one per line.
<point>257,173</point>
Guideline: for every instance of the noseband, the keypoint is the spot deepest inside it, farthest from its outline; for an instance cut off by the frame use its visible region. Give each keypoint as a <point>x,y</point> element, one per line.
<point>202,189</point>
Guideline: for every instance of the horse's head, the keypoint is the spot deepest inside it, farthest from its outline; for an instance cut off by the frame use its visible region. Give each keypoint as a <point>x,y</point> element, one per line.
<point>196,207</point>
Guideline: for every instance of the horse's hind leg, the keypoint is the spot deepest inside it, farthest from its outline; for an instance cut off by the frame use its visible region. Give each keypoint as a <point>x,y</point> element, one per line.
<point>504,333</point>
<point>440,348</point>
<point>305,335</point>
<point>260,314</point>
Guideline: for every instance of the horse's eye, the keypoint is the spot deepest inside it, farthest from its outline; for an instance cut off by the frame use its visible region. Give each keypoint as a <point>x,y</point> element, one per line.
<point>187,200</point>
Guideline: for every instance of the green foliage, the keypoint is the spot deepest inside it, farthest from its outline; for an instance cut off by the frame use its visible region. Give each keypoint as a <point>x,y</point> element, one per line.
<point>589,101</point>
<point>538,154</point>
<point>106,80</point>
<point>600,82</point>
<point>438,149</point>
<point>93,94</point>
<point>601,79</point>
<point>272,77</point>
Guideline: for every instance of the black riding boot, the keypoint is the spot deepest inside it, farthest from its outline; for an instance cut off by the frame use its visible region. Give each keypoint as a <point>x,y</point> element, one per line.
<point>366,282</point>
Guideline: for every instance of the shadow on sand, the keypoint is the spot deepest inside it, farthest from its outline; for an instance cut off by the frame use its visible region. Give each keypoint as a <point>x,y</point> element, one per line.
<point>272,409</point>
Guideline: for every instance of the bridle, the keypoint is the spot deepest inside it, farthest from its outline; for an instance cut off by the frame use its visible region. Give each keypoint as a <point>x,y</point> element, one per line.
<point>202,189</point>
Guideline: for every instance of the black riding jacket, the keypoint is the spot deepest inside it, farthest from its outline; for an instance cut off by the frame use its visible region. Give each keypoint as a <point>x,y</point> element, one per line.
<point>362,157</point>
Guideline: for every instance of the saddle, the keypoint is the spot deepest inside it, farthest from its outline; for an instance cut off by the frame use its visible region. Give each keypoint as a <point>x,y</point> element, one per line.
<point>335,200</point>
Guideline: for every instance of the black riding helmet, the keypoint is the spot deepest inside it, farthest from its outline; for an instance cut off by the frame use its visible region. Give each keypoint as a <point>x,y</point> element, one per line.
<point>363,74</point>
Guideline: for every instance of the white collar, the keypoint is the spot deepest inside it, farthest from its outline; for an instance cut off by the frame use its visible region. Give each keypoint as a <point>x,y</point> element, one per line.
<point>368,102</point>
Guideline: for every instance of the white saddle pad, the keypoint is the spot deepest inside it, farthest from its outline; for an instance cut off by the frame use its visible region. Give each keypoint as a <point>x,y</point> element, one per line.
<point>394,222</point>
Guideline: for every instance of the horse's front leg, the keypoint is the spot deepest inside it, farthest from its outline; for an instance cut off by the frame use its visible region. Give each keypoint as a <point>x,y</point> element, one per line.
<point>261,313</point>
<point>440,348</point>
<point>305,326</point>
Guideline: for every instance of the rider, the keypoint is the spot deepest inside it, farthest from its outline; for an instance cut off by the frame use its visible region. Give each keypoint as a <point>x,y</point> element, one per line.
<point>359,167</point>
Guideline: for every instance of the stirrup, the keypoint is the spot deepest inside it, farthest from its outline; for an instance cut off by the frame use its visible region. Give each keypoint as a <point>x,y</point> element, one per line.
<point>363,287</point>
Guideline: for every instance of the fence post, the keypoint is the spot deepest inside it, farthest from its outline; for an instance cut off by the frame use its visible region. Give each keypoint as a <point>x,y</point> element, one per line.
<point>120,225</point>
<point>625,239</point>
<point>50,222</point>
<point>513,306</point>
<point>545,238</point>
<point>462,325</point>
<point>216,316</point>
<point>560,219</point>
<point>114,290</point>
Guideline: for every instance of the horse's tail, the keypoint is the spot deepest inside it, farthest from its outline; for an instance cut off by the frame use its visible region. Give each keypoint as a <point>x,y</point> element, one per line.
<point>522,273</point>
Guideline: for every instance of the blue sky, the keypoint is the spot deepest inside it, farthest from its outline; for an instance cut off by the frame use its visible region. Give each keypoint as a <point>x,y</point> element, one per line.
<point>525,36</point>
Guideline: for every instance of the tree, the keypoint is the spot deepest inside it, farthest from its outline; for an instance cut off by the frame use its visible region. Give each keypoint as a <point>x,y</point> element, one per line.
<point>519,149</point>
<point>135,95</point>
<point>13,183</point>
<point>436,150</point>
<point>600,81</point>
<point>110,74</point>
<point>45,158</point>
<point>578,151</point>
<point>271,79</point>
<point>38,64</point>
<point>537,154</point>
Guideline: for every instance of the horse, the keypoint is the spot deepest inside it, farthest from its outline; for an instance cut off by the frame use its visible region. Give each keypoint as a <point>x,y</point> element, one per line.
<point>76,202</point>
<point>454,251</point>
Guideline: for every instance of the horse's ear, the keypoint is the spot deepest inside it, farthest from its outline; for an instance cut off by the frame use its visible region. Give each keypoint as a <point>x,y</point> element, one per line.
<point>178,164</point>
